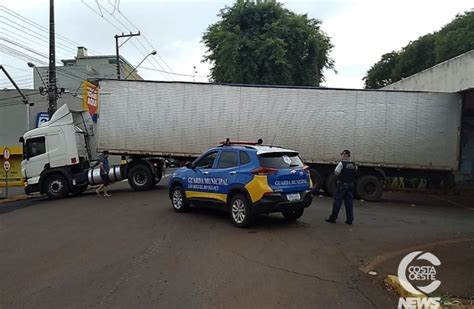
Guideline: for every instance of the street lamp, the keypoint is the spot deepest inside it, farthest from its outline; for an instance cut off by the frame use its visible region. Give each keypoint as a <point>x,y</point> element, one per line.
<point>32,65</point>
<point>150,54</point>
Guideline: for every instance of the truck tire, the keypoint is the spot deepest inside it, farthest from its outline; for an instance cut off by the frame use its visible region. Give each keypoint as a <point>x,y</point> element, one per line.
<point>317,181</point>
<point>178,199</point>
<point>292,215</point>
<point>240,211</point>
<point>56,186</point>
<point>369,188</point>
<point>140,178</point>
<point>331,185</point>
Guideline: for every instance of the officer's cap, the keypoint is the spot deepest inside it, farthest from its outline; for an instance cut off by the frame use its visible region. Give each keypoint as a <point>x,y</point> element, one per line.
<point>346,152</point>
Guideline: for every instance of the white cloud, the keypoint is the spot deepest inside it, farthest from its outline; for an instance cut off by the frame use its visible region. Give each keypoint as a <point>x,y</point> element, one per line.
<point>366,30</point>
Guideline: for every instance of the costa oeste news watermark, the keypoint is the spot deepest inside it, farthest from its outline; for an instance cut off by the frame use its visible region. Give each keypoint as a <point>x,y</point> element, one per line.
<point>418,268</point>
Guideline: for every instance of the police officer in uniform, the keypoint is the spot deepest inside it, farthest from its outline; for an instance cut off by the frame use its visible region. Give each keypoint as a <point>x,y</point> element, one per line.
<point>345,171</point>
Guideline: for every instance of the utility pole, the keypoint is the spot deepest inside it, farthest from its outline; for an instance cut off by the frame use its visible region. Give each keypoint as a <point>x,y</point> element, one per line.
<point>52,89</point>
<point>117,46</point>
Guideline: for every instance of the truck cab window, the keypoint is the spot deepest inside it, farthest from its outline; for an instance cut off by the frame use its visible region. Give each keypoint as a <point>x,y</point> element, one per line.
<point>207,161</point>
<point>34,147</point>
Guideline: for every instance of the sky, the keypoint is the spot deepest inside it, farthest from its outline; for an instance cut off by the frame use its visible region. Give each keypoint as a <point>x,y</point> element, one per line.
<point>361,32</point>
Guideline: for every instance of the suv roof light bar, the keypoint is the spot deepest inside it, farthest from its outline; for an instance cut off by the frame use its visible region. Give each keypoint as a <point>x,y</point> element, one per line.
<point>228,142</point>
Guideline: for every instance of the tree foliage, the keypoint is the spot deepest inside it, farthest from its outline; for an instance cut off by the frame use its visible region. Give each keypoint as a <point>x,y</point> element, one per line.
<point>264,43</point>
<point>452,40</point>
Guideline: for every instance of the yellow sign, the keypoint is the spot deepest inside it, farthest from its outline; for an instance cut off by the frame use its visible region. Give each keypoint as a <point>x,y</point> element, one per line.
<point>90,97</point>
<point>14,174</point>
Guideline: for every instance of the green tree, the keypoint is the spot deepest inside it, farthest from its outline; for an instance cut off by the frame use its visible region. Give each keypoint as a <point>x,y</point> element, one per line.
<point>452,40</point>
<point>381,73</point>
<point>264,43</point>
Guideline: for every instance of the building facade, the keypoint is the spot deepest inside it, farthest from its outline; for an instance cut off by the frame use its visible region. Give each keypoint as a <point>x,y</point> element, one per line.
<point>453,75</point>
<point>84,67</point>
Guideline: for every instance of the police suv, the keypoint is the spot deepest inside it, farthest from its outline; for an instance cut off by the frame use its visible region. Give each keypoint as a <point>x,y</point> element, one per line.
<point>246,179</point>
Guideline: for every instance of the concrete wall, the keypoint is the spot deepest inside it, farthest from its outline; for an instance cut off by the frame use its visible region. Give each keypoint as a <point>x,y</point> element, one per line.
<point>453,75</point>
<point>13,113</point>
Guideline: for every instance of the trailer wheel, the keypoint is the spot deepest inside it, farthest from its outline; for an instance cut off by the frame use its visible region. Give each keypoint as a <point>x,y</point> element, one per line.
<point>317,181</point>
<point>140,178</point>
<point>331,185</point>
<point>56,186</point>
<point>369,188</point>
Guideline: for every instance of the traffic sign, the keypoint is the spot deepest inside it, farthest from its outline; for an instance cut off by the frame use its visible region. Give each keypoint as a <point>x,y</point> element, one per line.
<point>6,153</point>
<point>6,166</point>
<point>41,118</point>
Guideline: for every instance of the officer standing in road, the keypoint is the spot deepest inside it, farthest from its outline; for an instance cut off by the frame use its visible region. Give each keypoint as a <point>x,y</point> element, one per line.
<point>345,171</point>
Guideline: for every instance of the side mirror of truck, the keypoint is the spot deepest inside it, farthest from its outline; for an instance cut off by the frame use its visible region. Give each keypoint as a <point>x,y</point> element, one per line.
<point>189,165</point>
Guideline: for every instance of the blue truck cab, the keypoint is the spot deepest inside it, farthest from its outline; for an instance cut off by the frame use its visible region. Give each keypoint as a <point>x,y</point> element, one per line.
<point>246,179</point>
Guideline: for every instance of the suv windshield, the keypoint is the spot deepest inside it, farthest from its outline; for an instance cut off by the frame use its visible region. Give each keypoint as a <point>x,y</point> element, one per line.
<point>280,160</point>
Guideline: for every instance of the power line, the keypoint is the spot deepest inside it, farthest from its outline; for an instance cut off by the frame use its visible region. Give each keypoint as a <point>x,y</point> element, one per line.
<point>118,28</point>
<point>38,36</point>
<point>36,25</point>
<point>24,47</point>
<point>178,74</point>
<point>146,40</point>
<point>80,71</point>
<point>16,68</point>
<point>22,56</point>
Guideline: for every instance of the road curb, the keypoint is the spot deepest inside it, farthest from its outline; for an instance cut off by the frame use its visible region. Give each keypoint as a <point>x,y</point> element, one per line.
<point>14,198</point>
<point>394,282</point>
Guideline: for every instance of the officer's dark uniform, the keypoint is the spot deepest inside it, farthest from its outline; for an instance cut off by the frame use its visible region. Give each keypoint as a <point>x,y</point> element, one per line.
<point>344,193</point>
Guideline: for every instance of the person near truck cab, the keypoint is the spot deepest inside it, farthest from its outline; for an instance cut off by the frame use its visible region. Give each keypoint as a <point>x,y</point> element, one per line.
<point>345,171</point>
<point>103,163</point>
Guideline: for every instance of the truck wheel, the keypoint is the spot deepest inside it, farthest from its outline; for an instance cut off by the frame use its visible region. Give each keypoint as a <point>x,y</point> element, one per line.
<point>56,186</point>
<point>317,181</point>
<point>292,215</point>
<point>369,188</point>
<point>140,178</point>
<point>79,190</point>
<point>331,185</point>
<point>240,211</point>
<point>178,199</point>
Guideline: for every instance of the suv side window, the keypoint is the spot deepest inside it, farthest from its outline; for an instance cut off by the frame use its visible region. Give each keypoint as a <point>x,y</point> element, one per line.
<point>207,161</point>
<point>34,147</point>
<point>228,159</point>
<point>244,158</point>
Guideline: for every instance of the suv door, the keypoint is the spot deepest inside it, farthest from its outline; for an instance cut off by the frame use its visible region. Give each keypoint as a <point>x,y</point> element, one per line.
<point>199,178</point>
<point>226,170</point>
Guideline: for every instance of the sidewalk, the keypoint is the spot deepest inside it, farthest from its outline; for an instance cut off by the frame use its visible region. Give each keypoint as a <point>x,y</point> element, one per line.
<point>456,271</point>
<point>14,194</point>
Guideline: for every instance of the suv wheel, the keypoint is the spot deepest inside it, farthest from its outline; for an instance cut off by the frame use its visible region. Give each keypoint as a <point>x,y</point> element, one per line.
<point>292,215</point>
<point>240,212</point>
<point>178,200</point>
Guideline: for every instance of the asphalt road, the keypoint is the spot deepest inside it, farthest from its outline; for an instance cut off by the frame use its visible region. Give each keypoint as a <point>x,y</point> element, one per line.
<point>133,251</point>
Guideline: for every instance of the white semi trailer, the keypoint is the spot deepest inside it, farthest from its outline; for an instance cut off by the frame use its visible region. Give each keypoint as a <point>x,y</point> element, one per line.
<point>390,133</point>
